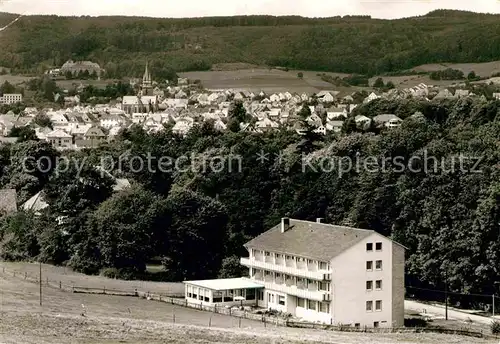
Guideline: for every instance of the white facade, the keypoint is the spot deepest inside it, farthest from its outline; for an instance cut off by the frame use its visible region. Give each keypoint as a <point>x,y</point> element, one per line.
<point>360,284</point>
<point>11,98</point>
<point>223,292</point>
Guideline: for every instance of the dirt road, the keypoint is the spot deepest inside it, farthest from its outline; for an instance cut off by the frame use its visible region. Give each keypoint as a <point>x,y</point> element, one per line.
<point>439,311</point>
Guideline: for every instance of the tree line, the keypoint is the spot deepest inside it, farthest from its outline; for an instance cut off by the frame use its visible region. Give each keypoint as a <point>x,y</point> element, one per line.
<point>444,210</point>
<point>358,45</point>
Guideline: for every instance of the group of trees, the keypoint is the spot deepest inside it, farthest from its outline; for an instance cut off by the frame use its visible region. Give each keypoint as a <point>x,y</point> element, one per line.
<point>379,83</point>
<point>81,75</point>
<point>443,208</point>
<point>448,74</point>
<point>104,95</point>
<point>358,45</point>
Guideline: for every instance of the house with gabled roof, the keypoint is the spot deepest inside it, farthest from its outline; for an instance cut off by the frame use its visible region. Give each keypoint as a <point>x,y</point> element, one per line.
<point>60,139</point>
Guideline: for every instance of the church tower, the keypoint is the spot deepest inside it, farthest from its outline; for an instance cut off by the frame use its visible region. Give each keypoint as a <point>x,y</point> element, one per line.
<point>147,83</point>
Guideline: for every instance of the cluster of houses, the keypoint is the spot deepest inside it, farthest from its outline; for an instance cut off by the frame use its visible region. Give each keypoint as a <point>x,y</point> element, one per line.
<point>183,106</point>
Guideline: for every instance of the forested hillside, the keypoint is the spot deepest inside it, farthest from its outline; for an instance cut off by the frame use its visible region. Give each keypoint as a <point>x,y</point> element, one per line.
<point>349,44</point>
<point>415,188</point>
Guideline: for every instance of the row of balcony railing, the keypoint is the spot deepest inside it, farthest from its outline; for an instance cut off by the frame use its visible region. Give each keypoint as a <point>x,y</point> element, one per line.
<point>295,270</point>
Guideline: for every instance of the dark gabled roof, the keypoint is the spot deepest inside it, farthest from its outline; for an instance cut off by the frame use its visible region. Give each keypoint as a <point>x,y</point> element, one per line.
<point>8,201</point>
<point>309,239</point>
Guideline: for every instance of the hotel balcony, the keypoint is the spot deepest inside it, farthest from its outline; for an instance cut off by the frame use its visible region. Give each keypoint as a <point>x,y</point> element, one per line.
<point>319,275</point>
<point>316,295</point>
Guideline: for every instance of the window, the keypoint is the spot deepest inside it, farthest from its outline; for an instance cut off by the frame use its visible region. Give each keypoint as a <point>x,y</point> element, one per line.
<point>311,305</point>
<point>378,305</point>
<point>322,266</point>
<point>375,324</point>
<point>369,246</point>
<point>369,265</point>
<point>268,254</point>
<point>260,295</point>
<point>250,294</point>
<point>378,284</point>
<point>369,285</point>
<point>217,296</point>
<point>301,302</point>
<point>357,325</point>
<point>325,286</point>
<point>369,306</point>
<point>378,246</point>
<point>378,265</point>
<point>281,300</point>
<point>324,307</point>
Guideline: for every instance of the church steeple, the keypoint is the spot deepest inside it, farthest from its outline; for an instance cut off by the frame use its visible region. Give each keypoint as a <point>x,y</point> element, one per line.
<point>146,79</point>
<point>147,83</point>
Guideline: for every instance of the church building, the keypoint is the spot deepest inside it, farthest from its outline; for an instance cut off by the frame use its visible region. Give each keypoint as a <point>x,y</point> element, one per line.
<point>145,101</point>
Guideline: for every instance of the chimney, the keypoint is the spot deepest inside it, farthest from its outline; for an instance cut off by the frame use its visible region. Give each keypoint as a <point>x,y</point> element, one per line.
<point>319,220</point>
<point>285,224</point>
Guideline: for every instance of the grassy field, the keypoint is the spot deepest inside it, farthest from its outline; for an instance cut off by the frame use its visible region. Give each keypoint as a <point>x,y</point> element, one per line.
<point>57,274</point>
<point>261,79</point>
<point>114,319</point>
<point>485,69</point>
<point>84,319</point>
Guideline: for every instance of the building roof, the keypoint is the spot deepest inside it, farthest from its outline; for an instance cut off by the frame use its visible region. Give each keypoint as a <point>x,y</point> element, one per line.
<point>309,239</point>
<point>8,200</point>
<point>58,134</point>
<point>385,118</point>
<point>35,203</point>
<point>226,284</point>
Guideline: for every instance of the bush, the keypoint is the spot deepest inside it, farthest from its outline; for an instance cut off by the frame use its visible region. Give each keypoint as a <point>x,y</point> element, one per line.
<point>495,327</point>
<point>415,322</point>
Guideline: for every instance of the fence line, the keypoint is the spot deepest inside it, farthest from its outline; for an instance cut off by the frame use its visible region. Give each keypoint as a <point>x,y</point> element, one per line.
<point>58,284</point>
<point>237,312</point>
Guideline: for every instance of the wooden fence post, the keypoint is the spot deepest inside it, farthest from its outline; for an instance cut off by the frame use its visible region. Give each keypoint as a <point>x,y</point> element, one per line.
<point>264,319</point>
<point>73,288</point>
<point>229,311</point>
<point>60,285</point>
<point>210,321</point>
<point>25,275</point>
<point>215,308</point>
<point>174,318</point>
<point>239,322</point>
<point>14,274</point>
<point>47,280</point>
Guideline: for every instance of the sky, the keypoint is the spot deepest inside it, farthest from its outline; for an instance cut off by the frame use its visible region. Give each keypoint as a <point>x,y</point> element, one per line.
<point>387,9</point>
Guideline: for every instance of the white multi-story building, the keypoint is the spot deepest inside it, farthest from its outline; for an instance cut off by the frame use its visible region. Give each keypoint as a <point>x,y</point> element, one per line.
<point>331,274</point>
<point>11,98</point>
<point>317,272</point>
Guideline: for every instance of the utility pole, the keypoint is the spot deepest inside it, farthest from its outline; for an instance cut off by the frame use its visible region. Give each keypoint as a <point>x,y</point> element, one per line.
<point>493,296</point>
<point>40,283</point>
<point>446,294</point>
